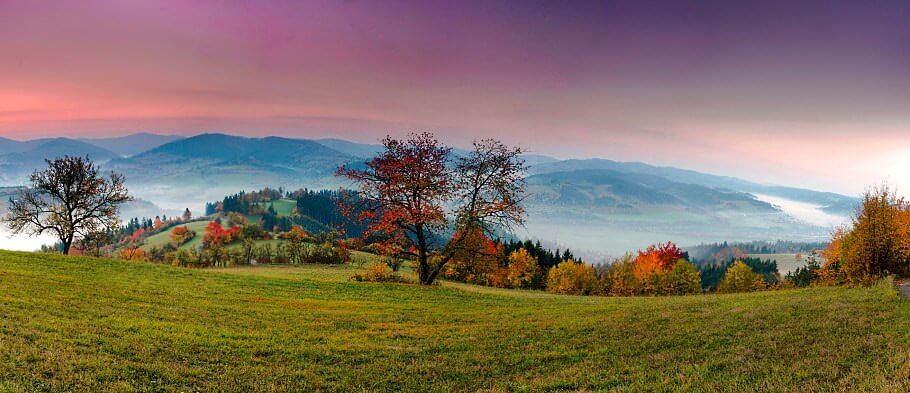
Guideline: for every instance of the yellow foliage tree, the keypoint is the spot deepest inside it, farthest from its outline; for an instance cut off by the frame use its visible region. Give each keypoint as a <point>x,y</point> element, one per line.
<point>683,279</point>
<point>571,278</point>
<point>740,278</point>
<point>521,270</point>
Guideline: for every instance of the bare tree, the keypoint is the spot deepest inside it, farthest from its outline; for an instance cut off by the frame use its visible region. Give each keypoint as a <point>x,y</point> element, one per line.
<point>69,199</point>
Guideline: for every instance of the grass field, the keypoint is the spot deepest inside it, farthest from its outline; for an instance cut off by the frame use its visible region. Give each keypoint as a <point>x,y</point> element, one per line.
<point>82,324</point>
<point>284,207</point>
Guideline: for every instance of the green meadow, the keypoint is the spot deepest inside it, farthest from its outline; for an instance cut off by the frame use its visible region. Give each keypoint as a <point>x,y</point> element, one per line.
<point>84,324</point>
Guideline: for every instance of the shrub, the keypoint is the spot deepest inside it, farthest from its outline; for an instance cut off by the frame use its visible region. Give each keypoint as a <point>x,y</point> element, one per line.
<point>183,258</point>
<point>181,235</point>
<point>572,278</point>
<point>377,272</point>
<point>740,278</point>
<point>132,254</point>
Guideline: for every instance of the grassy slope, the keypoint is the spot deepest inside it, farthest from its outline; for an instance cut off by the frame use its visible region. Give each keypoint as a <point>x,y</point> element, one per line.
<point>95,325</point>
<point>163,238</point>
<point>284,207</point>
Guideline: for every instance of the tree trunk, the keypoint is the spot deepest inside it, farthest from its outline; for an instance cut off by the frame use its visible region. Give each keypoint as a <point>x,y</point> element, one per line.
<point>66,246</point>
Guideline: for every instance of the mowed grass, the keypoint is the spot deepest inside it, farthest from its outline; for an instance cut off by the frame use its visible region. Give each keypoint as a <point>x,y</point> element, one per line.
<point>82,324</point>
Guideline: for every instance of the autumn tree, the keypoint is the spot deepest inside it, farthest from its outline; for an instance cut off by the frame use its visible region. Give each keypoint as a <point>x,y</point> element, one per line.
<point>70,199</point>
<point>572,278</point>
<point>683,279</point>
<point>414,192</point>
<point>740,278</point>
<point>522,269</point>
<point>873,247</point>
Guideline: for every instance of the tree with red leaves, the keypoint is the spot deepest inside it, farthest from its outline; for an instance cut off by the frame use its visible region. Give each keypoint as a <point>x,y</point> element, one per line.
<point>414,192</point>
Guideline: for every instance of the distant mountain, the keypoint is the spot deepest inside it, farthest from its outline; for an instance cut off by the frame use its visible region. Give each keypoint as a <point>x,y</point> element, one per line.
<point>362,150</point>
<point>633,192</point>
<point>829,202</point>
<point>132,144</point>
<point>209,165</point>
<point>22,158</point>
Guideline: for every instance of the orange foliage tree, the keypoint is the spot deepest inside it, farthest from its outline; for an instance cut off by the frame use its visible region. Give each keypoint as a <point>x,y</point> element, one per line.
<point>406,191</point>
<point>654,263</point>
<point>180,235</point>
<point>215,234</point>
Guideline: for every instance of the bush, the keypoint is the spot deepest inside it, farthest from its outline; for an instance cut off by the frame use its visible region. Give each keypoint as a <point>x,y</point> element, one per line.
<point>132,254</point>
<point>740,278</point>
<point>183,258</point>
<point>572,278</point>
<point>326,253</point>
<point>377,272</point>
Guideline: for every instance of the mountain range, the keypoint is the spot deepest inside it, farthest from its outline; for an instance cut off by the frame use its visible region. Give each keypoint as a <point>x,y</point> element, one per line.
<point>611,200</point>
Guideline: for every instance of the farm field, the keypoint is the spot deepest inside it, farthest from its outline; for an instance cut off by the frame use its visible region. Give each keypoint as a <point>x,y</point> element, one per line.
<point>83,324</point>
<point>785,262</point>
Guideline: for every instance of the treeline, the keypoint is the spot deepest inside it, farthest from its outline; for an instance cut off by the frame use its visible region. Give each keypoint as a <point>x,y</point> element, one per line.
<point>315,211</point>
<point>662,269</point>
<point>709,250</point>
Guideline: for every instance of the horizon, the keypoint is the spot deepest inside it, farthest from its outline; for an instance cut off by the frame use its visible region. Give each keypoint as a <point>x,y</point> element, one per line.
<point>378,143</point>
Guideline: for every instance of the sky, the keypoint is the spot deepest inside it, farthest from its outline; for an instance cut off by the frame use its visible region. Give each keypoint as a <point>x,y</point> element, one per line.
<point>812,94</point>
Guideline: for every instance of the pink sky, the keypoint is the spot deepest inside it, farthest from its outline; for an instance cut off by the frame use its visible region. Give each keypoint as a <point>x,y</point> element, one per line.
<point>811,95</point>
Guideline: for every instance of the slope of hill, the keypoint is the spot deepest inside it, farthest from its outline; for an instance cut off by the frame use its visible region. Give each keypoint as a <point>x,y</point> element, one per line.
<point>628,191</point>
<point>209,166</point>
<point>829,202</point>
<point>25,157</point>
<point>83,324</point>
<point>129,145</point>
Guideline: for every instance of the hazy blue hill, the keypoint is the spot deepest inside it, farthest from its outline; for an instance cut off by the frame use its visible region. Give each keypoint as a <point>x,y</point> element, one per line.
<point>830,202</point>
<point>131,144</point>
<point>364,150</point>
<point>218,164</point>
<point>355,149</point>
<point>602,187</point>
<point>11,146</point>
<point>223,147</point>
<point>28,156</point>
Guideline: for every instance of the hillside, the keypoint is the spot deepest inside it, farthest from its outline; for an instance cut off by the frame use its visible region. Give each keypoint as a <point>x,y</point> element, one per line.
<point>132,144</point>
<point>81,324</point>
<point>208,166</point>
<point>19,159</point>
<point>829,202</point>
<point>638,192</point>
